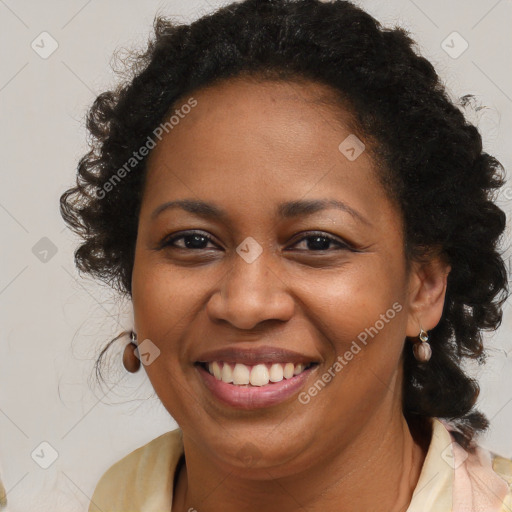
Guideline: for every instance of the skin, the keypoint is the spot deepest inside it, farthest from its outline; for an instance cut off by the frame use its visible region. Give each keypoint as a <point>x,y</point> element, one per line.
<point>247,147</point>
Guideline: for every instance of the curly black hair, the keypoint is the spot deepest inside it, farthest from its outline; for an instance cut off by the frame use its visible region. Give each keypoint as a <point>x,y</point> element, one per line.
<point>430,161</point>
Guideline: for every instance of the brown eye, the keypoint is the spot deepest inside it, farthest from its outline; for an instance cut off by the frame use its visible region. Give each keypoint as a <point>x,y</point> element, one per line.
<point>322,242</point>
<point>193,240</point>
<point>196,240</point>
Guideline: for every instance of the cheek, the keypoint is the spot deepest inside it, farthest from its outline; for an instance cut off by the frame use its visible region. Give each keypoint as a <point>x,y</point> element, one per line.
<point>349,301</point>
<point>162,297</point>
<point>163,305</point>
<point>359,312</point>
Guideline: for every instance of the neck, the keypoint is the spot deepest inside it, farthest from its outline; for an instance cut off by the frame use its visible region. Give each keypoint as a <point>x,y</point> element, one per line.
<point>379,470</point>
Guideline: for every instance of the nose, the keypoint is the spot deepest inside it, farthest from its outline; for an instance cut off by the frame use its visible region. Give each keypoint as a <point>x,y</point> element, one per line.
<point>251,293</point>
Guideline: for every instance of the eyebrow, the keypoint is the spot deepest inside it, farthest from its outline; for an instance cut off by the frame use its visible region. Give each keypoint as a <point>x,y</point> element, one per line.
<point>286,210</point>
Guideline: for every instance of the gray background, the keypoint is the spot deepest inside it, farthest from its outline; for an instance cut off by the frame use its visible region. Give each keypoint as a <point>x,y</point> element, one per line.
<point>54,321</point>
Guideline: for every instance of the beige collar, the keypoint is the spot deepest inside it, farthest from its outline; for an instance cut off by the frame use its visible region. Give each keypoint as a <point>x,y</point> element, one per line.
<point>451,480</point>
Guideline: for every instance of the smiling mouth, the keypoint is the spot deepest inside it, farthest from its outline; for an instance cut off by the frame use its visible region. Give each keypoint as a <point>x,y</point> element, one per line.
<point>239,374</point>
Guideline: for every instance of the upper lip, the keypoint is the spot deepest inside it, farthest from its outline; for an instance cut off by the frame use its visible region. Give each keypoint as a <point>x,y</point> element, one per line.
<point>251,356</point>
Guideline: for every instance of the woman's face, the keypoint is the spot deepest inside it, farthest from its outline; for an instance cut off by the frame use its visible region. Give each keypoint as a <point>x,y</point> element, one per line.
<point>251,283</point>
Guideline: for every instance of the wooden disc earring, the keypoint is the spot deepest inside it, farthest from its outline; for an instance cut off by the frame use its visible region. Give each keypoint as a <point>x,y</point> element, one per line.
<point>422,349</point>
<point>131,362</point>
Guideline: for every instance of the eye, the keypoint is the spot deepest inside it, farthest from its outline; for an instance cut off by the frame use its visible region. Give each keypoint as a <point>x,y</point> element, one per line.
<point>191,240</point>
<point>318,241</point>
<point>197,240</point>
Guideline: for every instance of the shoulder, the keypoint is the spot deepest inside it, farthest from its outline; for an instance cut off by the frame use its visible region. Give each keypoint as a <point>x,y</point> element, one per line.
<point>481,477</point>
<point>3,495</point>
<point>502,466</point>
<point>148,470</point>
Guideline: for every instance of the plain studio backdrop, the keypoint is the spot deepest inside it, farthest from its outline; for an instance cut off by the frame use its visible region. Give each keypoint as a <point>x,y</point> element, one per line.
<point>59,430</point>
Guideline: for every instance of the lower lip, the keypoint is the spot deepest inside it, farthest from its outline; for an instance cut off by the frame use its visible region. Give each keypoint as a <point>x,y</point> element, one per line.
<point>253,397</point>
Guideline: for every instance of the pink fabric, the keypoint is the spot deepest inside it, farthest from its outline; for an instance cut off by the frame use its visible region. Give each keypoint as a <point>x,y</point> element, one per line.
<point>476,487</point>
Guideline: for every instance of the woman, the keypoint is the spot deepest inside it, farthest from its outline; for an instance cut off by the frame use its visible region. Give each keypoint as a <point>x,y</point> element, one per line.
<point>305,226</point>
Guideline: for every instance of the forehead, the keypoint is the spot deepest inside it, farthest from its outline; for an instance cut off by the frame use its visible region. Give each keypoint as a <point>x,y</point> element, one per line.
<point>239,113</point>
<point>264,142</point>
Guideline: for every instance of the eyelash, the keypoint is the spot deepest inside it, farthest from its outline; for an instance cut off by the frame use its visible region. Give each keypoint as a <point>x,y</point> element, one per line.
<point>169,241</point>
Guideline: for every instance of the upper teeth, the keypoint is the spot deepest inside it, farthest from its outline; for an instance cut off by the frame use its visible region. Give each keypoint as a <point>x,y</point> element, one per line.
<point>258,375</point>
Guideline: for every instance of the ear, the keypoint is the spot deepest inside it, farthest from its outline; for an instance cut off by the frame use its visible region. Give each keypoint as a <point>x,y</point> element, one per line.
<point>427,291</point>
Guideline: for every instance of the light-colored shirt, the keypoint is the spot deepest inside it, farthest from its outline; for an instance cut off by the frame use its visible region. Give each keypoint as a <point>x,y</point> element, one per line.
<point>451,479</point>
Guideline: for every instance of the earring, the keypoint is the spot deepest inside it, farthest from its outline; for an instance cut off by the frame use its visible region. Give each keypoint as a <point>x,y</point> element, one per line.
<point>422,350</point>
<point>131,362</point>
